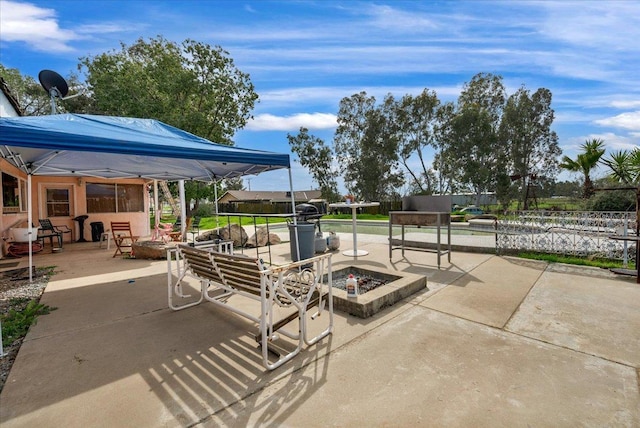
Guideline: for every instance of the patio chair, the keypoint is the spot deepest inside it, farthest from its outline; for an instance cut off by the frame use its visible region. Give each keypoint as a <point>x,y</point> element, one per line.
<point>122,237</point>
<point>176,234</point>
<point>162,232</point>
<point>195,226</point>
<point>48,230</point>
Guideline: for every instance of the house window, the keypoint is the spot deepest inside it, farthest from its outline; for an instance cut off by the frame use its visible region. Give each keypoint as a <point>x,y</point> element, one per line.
<point>114,198</point>
<point>14,198</point>
<point>58,203</point>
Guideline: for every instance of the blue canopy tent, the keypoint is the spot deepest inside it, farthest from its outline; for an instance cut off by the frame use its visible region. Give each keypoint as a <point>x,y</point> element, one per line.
<point>121,147</point>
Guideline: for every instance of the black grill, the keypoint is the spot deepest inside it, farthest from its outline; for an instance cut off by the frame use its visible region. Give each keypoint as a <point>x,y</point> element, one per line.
<point>305,212</point>
<point>308,213</point>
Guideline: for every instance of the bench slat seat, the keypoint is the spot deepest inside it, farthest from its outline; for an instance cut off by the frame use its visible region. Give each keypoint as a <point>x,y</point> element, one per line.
<point>294,285</point>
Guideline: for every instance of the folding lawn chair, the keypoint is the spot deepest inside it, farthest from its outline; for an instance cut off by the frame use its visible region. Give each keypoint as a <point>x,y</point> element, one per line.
<point>122,237</point>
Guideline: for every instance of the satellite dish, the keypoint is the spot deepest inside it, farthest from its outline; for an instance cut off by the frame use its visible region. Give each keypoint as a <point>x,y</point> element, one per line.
<point>55,85</point>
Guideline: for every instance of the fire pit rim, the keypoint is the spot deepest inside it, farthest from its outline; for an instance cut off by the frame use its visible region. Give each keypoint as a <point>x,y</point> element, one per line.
<point>368,304</point>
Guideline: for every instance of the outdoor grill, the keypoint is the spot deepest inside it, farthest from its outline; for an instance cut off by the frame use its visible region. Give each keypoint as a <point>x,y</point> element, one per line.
<point>308,213</point>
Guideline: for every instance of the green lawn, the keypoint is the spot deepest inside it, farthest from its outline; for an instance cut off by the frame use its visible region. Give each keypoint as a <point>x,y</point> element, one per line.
<point>582,261</point>
<point>210,223</point>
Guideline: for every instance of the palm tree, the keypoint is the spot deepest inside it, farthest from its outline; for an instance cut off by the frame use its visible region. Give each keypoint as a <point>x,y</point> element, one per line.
<point>624,166</point>
<point>585,162</point>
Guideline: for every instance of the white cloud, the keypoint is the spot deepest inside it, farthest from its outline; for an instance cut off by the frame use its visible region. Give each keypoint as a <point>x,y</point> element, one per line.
<point>270,122</point>
<point>35,26</point>
<point>603,26</point>
<point>626,104</point>
<point>279,180</point>
<point>330,96</point>
<point>389,18</point>
<point>629,120</point>
<point>612,142</point>
<point>249,9</point>
<point>104,28</point>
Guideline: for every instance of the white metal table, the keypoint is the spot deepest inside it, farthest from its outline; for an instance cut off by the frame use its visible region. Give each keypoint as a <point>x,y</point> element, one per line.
<point>354,207</point>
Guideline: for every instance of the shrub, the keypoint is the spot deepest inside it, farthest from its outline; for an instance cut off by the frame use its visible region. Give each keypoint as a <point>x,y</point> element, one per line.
<point>612,200</point>
<point>204,210</point>
<point>15,324</point>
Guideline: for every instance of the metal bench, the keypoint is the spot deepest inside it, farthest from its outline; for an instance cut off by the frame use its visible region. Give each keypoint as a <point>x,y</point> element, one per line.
<point>293,286</point>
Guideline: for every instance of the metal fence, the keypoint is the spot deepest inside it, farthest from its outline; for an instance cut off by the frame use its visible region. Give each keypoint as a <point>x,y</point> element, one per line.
<point>577,233</point>
<point>285,207</point>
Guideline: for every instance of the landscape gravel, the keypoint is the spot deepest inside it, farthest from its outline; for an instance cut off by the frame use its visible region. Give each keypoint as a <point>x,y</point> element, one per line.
<point>15,292</point>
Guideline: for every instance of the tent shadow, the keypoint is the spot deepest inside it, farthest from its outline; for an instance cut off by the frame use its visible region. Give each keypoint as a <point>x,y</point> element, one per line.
<point>121,336</point>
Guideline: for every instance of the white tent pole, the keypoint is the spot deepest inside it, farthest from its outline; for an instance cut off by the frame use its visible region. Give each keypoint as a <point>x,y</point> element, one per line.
<point>156,201</point>
<point>215,196</point>
<point>183,211</point>
<point>293,210</point>
<point>1,350</point>
<point>30,227</point>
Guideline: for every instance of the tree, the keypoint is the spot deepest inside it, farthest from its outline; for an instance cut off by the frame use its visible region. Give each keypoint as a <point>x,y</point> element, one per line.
<point>317,157</point>
<point>624,166</point>
<point>415,120</point>
<point>366,147</point>
<point>429,180</point>
<point>469,140</point>
<point>232,184</point>
<point>531,147</point>
<point>585,162</point>
<point>379,174</point>
<point>34,100</point>
<point>446,178</point>
<point>30,95</point>
<point>352,126</point>
<point>567,188</point>
<point>192,86</point>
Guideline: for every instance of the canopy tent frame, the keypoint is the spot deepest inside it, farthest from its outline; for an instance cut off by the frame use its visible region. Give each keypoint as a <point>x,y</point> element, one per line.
<point>110,147</point>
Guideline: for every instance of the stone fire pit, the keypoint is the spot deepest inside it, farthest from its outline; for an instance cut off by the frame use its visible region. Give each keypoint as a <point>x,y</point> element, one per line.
<point>389,287</point>
<point>152,250</point>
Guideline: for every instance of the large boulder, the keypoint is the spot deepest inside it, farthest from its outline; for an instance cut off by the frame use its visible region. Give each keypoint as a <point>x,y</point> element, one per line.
<point>152,250</point>
<point>233,232</point>
<point>262,238</point>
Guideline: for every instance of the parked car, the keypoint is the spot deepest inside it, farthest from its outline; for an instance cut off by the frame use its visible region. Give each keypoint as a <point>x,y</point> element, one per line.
<point>471,209</point>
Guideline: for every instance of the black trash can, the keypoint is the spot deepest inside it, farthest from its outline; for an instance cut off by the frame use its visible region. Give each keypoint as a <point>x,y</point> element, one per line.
<point>97,229</point>
<point>306,240</point>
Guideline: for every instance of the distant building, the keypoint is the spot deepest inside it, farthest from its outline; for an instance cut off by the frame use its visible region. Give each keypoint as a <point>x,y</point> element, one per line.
<point>268,197</point>
<point>465,199</point>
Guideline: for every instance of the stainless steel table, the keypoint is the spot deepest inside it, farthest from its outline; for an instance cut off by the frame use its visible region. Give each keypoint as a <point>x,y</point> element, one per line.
<point>421,218</point>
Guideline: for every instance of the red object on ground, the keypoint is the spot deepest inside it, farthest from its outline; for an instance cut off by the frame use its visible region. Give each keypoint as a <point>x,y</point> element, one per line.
<point>18,249</point>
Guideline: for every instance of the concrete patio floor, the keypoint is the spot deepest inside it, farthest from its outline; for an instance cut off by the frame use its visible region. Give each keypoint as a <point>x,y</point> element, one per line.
<point>492,341</point>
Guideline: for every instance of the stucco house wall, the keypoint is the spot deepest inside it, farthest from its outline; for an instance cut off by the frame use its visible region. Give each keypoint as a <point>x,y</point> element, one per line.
<point>78,205</point>
<point>77,194</point>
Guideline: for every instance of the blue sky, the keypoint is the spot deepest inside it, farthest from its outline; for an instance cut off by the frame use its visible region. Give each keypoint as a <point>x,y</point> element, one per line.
<point>305,56</point>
